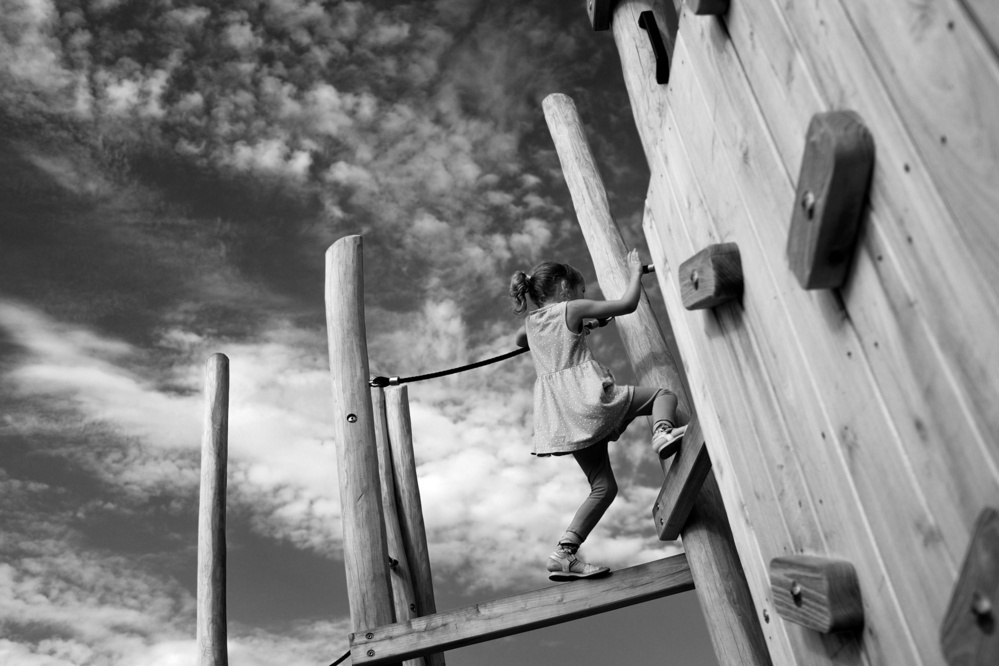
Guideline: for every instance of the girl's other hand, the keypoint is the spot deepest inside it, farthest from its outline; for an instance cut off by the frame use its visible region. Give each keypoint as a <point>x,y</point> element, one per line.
<point>634,264</point>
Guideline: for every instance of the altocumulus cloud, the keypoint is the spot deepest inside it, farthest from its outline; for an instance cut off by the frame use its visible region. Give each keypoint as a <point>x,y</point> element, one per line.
<point>171,173</point>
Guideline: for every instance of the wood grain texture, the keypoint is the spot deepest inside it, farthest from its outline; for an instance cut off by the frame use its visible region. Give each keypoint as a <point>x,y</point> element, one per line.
<point>754,480</point>
<point>511,615</point>
<point>712,277</point>
<point>968,635</point>
<point>599,12</point>
<point>843,440</point>
<point>726,601</point>
<point>918,273</point>
<point>211,621</point>
<point>410,505</point>
<point>817,592</point>
<point>830,199</point>
<point>365,552</point>
<point>400,578</point>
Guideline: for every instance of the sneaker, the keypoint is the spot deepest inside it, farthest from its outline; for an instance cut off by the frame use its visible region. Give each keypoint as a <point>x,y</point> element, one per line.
<point>563,565</point>
<point>666,440</point>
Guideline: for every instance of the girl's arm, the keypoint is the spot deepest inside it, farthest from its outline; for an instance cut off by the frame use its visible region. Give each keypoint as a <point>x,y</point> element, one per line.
<point>522,337</point>
<point>581,308</point>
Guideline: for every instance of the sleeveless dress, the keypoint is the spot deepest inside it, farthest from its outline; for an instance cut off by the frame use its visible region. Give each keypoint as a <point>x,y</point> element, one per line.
<point>576,402</point>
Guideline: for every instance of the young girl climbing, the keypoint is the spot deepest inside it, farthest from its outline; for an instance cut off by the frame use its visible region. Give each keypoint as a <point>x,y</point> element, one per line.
<point>578,408</point>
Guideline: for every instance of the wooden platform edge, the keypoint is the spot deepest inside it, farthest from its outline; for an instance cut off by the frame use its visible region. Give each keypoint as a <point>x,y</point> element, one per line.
<point>523,612</point>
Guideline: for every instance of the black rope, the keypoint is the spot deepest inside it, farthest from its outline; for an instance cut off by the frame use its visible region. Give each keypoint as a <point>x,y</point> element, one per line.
<point>340,660</point>
<point>382,382</point>
<point>395,381</point>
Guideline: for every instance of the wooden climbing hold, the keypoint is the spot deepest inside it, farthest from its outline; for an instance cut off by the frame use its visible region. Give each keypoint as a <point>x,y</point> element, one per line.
<point>708,7</point>
<point>832,188</point>
<point>711,277</point>
<point>647,22</point>
<point>968,634</point>
<point>816,592</point>
<point>600,12</point>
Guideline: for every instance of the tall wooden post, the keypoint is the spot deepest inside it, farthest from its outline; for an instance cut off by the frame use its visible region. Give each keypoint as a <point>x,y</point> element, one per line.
<point>707,539</point>
<point>364,551</point>
<point>211,620</point>
<point>403,598</point>
<point>407,490</point>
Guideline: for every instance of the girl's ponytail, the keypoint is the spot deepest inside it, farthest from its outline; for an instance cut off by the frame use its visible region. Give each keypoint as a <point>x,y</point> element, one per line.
<point>520,288</point>
<point>542,284</point>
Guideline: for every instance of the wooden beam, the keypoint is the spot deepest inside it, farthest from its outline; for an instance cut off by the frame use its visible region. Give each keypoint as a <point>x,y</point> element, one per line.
<point>211,620</point>
<point>512,615</point>
<point>364,550</point>
<point>721,583</point>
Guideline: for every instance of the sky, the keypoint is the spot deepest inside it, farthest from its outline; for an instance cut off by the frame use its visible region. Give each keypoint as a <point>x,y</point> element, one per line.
<point>171,175</point>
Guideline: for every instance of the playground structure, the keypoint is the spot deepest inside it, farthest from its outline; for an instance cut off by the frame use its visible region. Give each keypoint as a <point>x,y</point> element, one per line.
<point>822,215</point>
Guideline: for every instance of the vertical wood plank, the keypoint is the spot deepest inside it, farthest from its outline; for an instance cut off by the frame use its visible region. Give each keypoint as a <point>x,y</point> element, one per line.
<point>721,587</point>
<point>365,557</point>
<point>410,505</point>
<point>400,577</point>
<point>212,631</point>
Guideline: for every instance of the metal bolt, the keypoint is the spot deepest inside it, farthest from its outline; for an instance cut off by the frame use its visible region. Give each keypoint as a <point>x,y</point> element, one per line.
<point>369,635</point>
<point>351,418</point>
<point>695,279</point>
<point>981,605</point>
<point>808,204</point>
<point>412,608</point>
<point>796,592</point>
<point>371,653</point>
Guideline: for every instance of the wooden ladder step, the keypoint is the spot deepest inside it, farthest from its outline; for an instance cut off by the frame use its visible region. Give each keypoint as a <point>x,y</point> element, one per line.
<point>512,615</point>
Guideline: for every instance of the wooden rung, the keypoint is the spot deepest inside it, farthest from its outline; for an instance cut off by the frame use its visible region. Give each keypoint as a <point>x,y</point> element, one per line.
<point>523,612</point>
<point>711,277</point>
<point>816,592</point>
<point>684,479</point>
<point>600,12</point>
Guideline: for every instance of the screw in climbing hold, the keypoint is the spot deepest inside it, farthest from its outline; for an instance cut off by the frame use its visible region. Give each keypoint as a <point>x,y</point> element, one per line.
<point>371,653</point>
<point>695,280</point>
<point>369,635</point>
<point>981,605</point>
<point>412,608</point>
<point>808,204</point>
<point>351,418</point>
<point>796,593</point>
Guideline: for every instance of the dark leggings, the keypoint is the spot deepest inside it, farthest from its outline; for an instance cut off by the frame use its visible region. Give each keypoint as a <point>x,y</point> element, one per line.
<point>595,462</point>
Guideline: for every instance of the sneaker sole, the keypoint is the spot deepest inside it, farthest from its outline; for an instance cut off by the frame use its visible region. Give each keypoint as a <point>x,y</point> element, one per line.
<point>670,449</point>
<point>560,576</point>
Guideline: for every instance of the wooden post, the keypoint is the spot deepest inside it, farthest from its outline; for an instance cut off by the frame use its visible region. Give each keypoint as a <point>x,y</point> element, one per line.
<point>403,599</point>
<point>718,575</point>
<point>410,506</point>
<point>211,619</point>
<point>364,551</point>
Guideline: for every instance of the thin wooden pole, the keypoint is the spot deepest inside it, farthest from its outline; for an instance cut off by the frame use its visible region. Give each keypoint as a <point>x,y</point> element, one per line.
<point>211,619</point>
<point>707,539</point>
<point>407,490</point>
<point>403,598</point>
<point>365,555</point>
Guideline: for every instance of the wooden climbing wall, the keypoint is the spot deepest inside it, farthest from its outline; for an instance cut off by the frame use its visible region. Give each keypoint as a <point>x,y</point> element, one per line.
<point>860,423</point>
